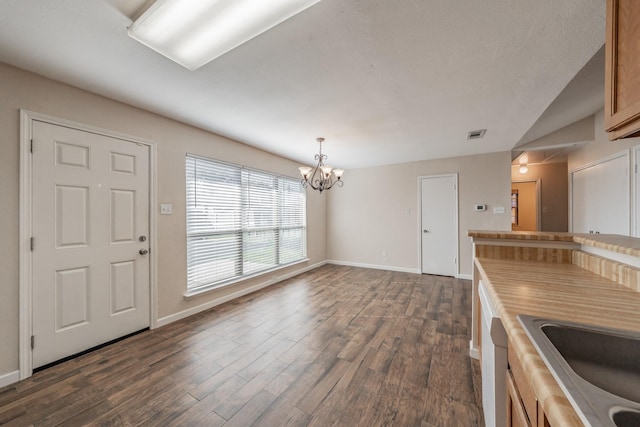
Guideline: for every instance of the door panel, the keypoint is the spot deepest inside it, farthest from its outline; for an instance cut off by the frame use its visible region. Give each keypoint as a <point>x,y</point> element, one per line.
<point>71,293</point>
<point>90,206</point>
<point>71,216</point>
<point>439,225</point>
<point>600,198</point>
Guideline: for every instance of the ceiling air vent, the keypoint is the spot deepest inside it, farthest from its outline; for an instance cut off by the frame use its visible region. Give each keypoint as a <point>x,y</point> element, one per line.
<point>476,134</point>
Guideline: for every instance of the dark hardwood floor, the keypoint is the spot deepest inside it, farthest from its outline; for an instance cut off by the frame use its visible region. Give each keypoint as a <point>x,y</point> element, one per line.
<point>336,346</point>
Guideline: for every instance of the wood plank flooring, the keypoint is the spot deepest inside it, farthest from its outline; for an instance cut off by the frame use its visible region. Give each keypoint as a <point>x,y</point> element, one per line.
<point>337,346</point>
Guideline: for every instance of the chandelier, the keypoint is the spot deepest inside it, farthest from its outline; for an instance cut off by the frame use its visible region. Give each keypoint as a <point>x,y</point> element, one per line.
<point>322,177</point>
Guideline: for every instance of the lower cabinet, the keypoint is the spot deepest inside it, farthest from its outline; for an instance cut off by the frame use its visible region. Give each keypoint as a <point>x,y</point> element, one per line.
<point>523,408</point>
<point>516,414</point>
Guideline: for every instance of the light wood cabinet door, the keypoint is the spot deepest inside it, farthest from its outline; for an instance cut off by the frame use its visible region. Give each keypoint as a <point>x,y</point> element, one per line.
<point>516,415</point>
<point>622,69</point>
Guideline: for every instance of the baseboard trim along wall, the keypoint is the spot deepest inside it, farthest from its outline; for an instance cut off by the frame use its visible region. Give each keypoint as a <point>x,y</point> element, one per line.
<point>210,304</point>
<point>10,378</point>
<point>390,268</point>
<point>375,266</point>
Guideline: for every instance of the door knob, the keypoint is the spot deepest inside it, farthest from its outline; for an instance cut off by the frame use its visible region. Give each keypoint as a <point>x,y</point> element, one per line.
<point>143,251</point>
<point>425,231</point>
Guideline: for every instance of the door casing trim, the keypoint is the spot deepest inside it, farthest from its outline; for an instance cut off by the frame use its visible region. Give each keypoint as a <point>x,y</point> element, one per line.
<point>26,227</point>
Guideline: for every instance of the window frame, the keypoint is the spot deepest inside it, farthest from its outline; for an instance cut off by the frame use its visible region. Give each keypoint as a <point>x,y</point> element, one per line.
<point>247,227</point>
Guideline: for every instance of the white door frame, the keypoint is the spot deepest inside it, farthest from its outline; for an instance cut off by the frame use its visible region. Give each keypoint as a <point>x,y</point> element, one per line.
<point>26,229</point>
<point>538,200</point>
<point>442,175</point>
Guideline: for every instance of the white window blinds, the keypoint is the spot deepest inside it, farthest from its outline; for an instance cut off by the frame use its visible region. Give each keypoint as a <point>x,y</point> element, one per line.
<point>240,222</point>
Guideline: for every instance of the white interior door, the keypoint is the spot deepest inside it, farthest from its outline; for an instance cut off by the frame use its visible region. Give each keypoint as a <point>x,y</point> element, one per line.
<point>600,197</point>
<point>90,247</point>
<point>439,224</point>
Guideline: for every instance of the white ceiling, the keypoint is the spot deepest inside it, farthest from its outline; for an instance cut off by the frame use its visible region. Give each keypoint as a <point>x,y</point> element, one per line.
<point>383,81</point>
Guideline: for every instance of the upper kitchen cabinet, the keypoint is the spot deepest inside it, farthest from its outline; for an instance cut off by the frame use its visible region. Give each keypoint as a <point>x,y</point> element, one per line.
<point>622,72</point>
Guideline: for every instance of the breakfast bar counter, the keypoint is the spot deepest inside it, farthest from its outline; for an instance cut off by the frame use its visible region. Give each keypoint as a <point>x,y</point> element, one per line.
<point>557,281</point>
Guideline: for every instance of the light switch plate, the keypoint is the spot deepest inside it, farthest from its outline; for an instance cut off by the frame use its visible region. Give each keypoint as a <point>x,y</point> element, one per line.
<point>166,209</point>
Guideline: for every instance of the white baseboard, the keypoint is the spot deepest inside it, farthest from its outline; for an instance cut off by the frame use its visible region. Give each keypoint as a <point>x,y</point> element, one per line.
<point>210,304</point>
<point>473,351</point>
<point>376,266</point>
<point>10,378</point>
<point>465,276</point>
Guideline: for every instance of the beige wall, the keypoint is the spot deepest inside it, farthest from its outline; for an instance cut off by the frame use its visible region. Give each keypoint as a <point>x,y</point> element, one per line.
<point>377,209</point>
<point>554,193</point>
<point>600,148</point>
<point>23,90</point>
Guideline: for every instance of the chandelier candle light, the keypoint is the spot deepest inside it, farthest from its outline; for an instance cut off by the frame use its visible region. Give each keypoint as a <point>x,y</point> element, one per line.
<point>322,177</point>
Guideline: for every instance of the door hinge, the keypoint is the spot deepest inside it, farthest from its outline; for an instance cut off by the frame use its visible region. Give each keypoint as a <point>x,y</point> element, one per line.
<point>31,149</point>
<point>33,342</point>
<point>455,260</point>
<point>31,243</point>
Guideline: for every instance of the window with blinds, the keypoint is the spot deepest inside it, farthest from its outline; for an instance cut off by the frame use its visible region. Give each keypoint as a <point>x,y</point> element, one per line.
<point>240,222</point>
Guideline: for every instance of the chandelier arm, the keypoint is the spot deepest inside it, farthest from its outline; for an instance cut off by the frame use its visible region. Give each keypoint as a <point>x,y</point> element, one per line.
<point>313,178</point>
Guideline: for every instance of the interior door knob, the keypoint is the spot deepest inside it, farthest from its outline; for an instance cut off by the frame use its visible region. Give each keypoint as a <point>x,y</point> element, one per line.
<point>425,231</point>
<point>143,251</point>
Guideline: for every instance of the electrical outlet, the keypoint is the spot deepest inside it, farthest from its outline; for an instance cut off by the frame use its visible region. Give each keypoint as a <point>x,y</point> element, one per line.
<point>166,209</point>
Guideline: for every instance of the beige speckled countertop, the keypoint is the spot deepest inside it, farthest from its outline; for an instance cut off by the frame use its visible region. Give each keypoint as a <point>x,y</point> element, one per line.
<point>557,291</point>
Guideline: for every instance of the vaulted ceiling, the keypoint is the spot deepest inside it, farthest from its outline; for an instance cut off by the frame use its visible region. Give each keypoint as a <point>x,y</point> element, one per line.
<point>383,81</point>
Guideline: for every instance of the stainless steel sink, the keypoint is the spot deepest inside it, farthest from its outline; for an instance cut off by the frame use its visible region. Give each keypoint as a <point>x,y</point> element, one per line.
<point>597,368</point>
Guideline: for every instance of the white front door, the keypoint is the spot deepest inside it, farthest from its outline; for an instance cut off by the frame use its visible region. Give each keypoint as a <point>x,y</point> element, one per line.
<point>90,240</point>
<point>439,224</point>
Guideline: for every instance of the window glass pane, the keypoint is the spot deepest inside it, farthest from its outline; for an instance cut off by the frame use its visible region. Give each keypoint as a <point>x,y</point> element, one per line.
<point>213,258</point>
<point>292,244</point>
<point>261,205</point>
<point>259,249</point>
<point>293,204</point>
<point>214,194</point>
<point>240,222</point>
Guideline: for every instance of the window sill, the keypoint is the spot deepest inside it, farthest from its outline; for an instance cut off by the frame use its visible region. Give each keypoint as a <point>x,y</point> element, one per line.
<point>206,289</point>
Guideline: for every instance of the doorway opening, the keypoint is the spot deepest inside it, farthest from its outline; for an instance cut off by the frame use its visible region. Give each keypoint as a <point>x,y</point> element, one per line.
<point>525,205</point>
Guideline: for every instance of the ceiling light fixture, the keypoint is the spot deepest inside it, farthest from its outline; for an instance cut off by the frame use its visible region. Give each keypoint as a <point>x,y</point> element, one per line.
<point>193,33</point>
<point>321,178</point>
<point>523,169</point>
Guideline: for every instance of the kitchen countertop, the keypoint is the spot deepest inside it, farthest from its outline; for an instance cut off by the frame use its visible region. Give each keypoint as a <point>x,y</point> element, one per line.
<point>521,235</point>
<point>611,242</point>
<point>556,291</point>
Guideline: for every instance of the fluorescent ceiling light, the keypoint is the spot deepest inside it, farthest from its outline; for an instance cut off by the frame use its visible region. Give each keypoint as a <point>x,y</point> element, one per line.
<point>195,32</point>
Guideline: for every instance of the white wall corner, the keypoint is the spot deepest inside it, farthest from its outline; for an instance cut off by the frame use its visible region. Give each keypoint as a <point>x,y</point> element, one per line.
<point>465,276</point>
